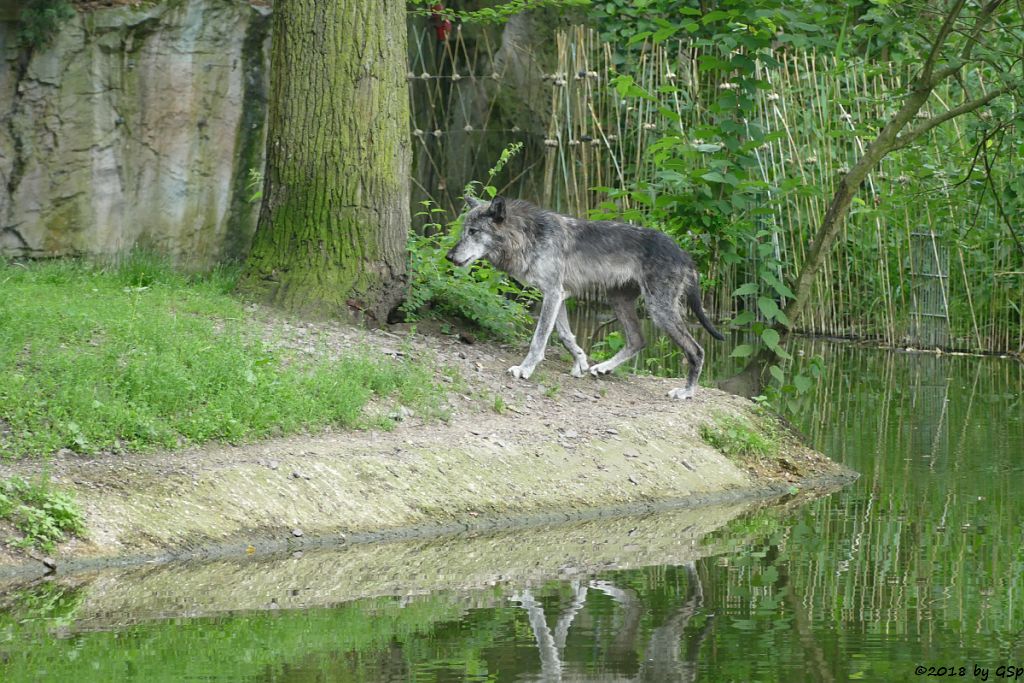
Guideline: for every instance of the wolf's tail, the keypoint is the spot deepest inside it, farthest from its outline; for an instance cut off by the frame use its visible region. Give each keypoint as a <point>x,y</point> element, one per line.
<point>693,299</point>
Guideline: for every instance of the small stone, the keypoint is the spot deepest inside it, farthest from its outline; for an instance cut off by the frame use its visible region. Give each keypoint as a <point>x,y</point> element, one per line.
<point>611,431</point>
<point>49,563</point>
<point>297,533</point>
<point>633,480</point>
<point>631,454</point>
<point>296,474</point>
<point>571,434</point>
<point>273,464</point>
<point>297,554</point>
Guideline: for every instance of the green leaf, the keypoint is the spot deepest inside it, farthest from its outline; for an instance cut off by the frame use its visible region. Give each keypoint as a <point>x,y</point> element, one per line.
<point>768,307</point>
<point>777,285</point>
<point>802,383</point>
<point>743,318</point>
<point>638,37</point>
<point>742,351</point>
<point>714,15</point>
<point>771,338</point>
<point>746,289</point>
<point>777,373</point>
<point>663,34</point>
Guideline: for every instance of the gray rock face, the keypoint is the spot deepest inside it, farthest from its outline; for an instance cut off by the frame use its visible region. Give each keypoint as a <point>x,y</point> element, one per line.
<point>135,127</point>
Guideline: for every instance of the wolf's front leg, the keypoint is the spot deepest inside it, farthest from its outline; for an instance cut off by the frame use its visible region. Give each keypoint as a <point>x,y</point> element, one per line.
<point>545,324</point>
<point>580,365</point>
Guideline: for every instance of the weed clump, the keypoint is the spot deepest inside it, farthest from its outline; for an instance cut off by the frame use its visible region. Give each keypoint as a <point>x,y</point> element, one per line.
<point>41,513</point>
<point>735,437</point>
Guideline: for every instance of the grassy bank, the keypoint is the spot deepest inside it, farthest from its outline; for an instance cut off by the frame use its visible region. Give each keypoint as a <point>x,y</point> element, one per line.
<point>139,356</point>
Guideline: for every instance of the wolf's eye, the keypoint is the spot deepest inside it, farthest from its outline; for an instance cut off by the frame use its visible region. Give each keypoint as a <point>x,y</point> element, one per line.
<point>473,231</point>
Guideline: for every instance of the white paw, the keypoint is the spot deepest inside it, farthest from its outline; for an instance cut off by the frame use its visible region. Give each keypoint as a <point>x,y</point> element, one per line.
<point>578,370</point>
<point>681,393</point>
<point>600,369</point>
<point>520,371</point>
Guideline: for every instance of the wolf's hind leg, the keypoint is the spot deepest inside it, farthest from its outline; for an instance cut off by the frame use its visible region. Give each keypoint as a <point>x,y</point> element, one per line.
<point>624,305</point>
<point>667,317</point>
<point>569,341</point>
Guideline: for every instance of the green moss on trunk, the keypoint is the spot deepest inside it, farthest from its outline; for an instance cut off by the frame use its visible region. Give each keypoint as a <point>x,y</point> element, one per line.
<point>332,228</point>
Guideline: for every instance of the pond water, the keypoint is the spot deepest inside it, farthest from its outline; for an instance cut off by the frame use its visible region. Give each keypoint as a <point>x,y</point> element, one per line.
<point>920,563</point>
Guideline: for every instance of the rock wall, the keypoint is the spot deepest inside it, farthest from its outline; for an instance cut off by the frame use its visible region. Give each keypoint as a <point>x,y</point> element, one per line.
<point>135,127</point>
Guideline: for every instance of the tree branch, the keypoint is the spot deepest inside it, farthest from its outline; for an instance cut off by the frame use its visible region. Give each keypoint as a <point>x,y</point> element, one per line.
<point>999,201</point>
<point>965,55</point>
<point>908,137</point>
<point>940,40</point>
<point>979,26</point>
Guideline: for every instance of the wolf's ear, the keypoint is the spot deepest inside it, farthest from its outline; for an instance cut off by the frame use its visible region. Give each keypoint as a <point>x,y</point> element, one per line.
<point>497,210</point>
<point>472,201</point>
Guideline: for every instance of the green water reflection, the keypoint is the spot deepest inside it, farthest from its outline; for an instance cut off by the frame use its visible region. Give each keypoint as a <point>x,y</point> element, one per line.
<point>921,562</point>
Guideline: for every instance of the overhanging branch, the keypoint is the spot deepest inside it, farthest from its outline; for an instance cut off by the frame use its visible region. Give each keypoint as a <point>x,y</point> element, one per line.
<point>969,106</point>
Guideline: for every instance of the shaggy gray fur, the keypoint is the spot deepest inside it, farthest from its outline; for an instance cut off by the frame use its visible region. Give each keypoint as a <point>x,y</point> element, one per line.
<point>564,256</point>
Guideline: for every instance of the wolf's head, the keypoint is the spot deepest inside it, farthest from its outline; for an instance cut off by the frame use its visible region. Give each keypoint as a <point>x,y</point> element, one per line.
<point>481,231</point>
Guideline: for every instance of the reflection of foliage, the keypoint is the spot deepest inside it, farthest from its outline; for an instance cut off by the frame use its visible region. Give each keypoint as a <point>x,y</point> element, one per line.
<point>271,641</point>
<point>41,19</point>
<point>49,602</point>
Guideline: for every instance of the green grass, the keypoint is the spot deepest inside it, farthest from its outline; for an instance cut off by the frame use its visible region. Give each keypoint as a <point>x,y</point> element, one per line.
<point>42,514</point>
<point>139,356</point>
<point>735,437</point>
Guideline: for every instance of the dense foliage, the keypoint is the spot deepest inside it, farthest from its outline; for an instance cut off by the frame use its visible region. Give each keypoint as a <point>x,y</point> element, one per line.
<point>754,128</point>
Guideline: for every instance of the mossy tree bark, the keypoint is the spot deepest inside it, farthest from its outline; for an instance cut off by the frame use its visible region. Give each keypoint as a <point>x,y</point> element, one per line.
<point>335,214</point>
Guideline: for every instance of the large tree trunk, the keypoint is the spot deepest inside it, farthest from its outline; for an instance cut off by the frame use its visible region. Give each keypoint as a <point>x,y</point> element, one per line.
<point>332,229</point>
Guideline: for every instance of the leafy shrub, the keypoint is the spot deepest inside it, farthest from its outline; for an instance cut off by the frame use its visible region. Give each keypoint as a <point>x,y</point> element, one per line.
<point>604,349</point>
<point>479,293</point>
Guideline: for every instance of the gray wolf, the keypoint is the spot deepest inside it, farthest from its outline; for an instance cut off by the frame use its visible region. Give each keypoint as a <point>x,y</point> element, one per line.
<point>564,256</point>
